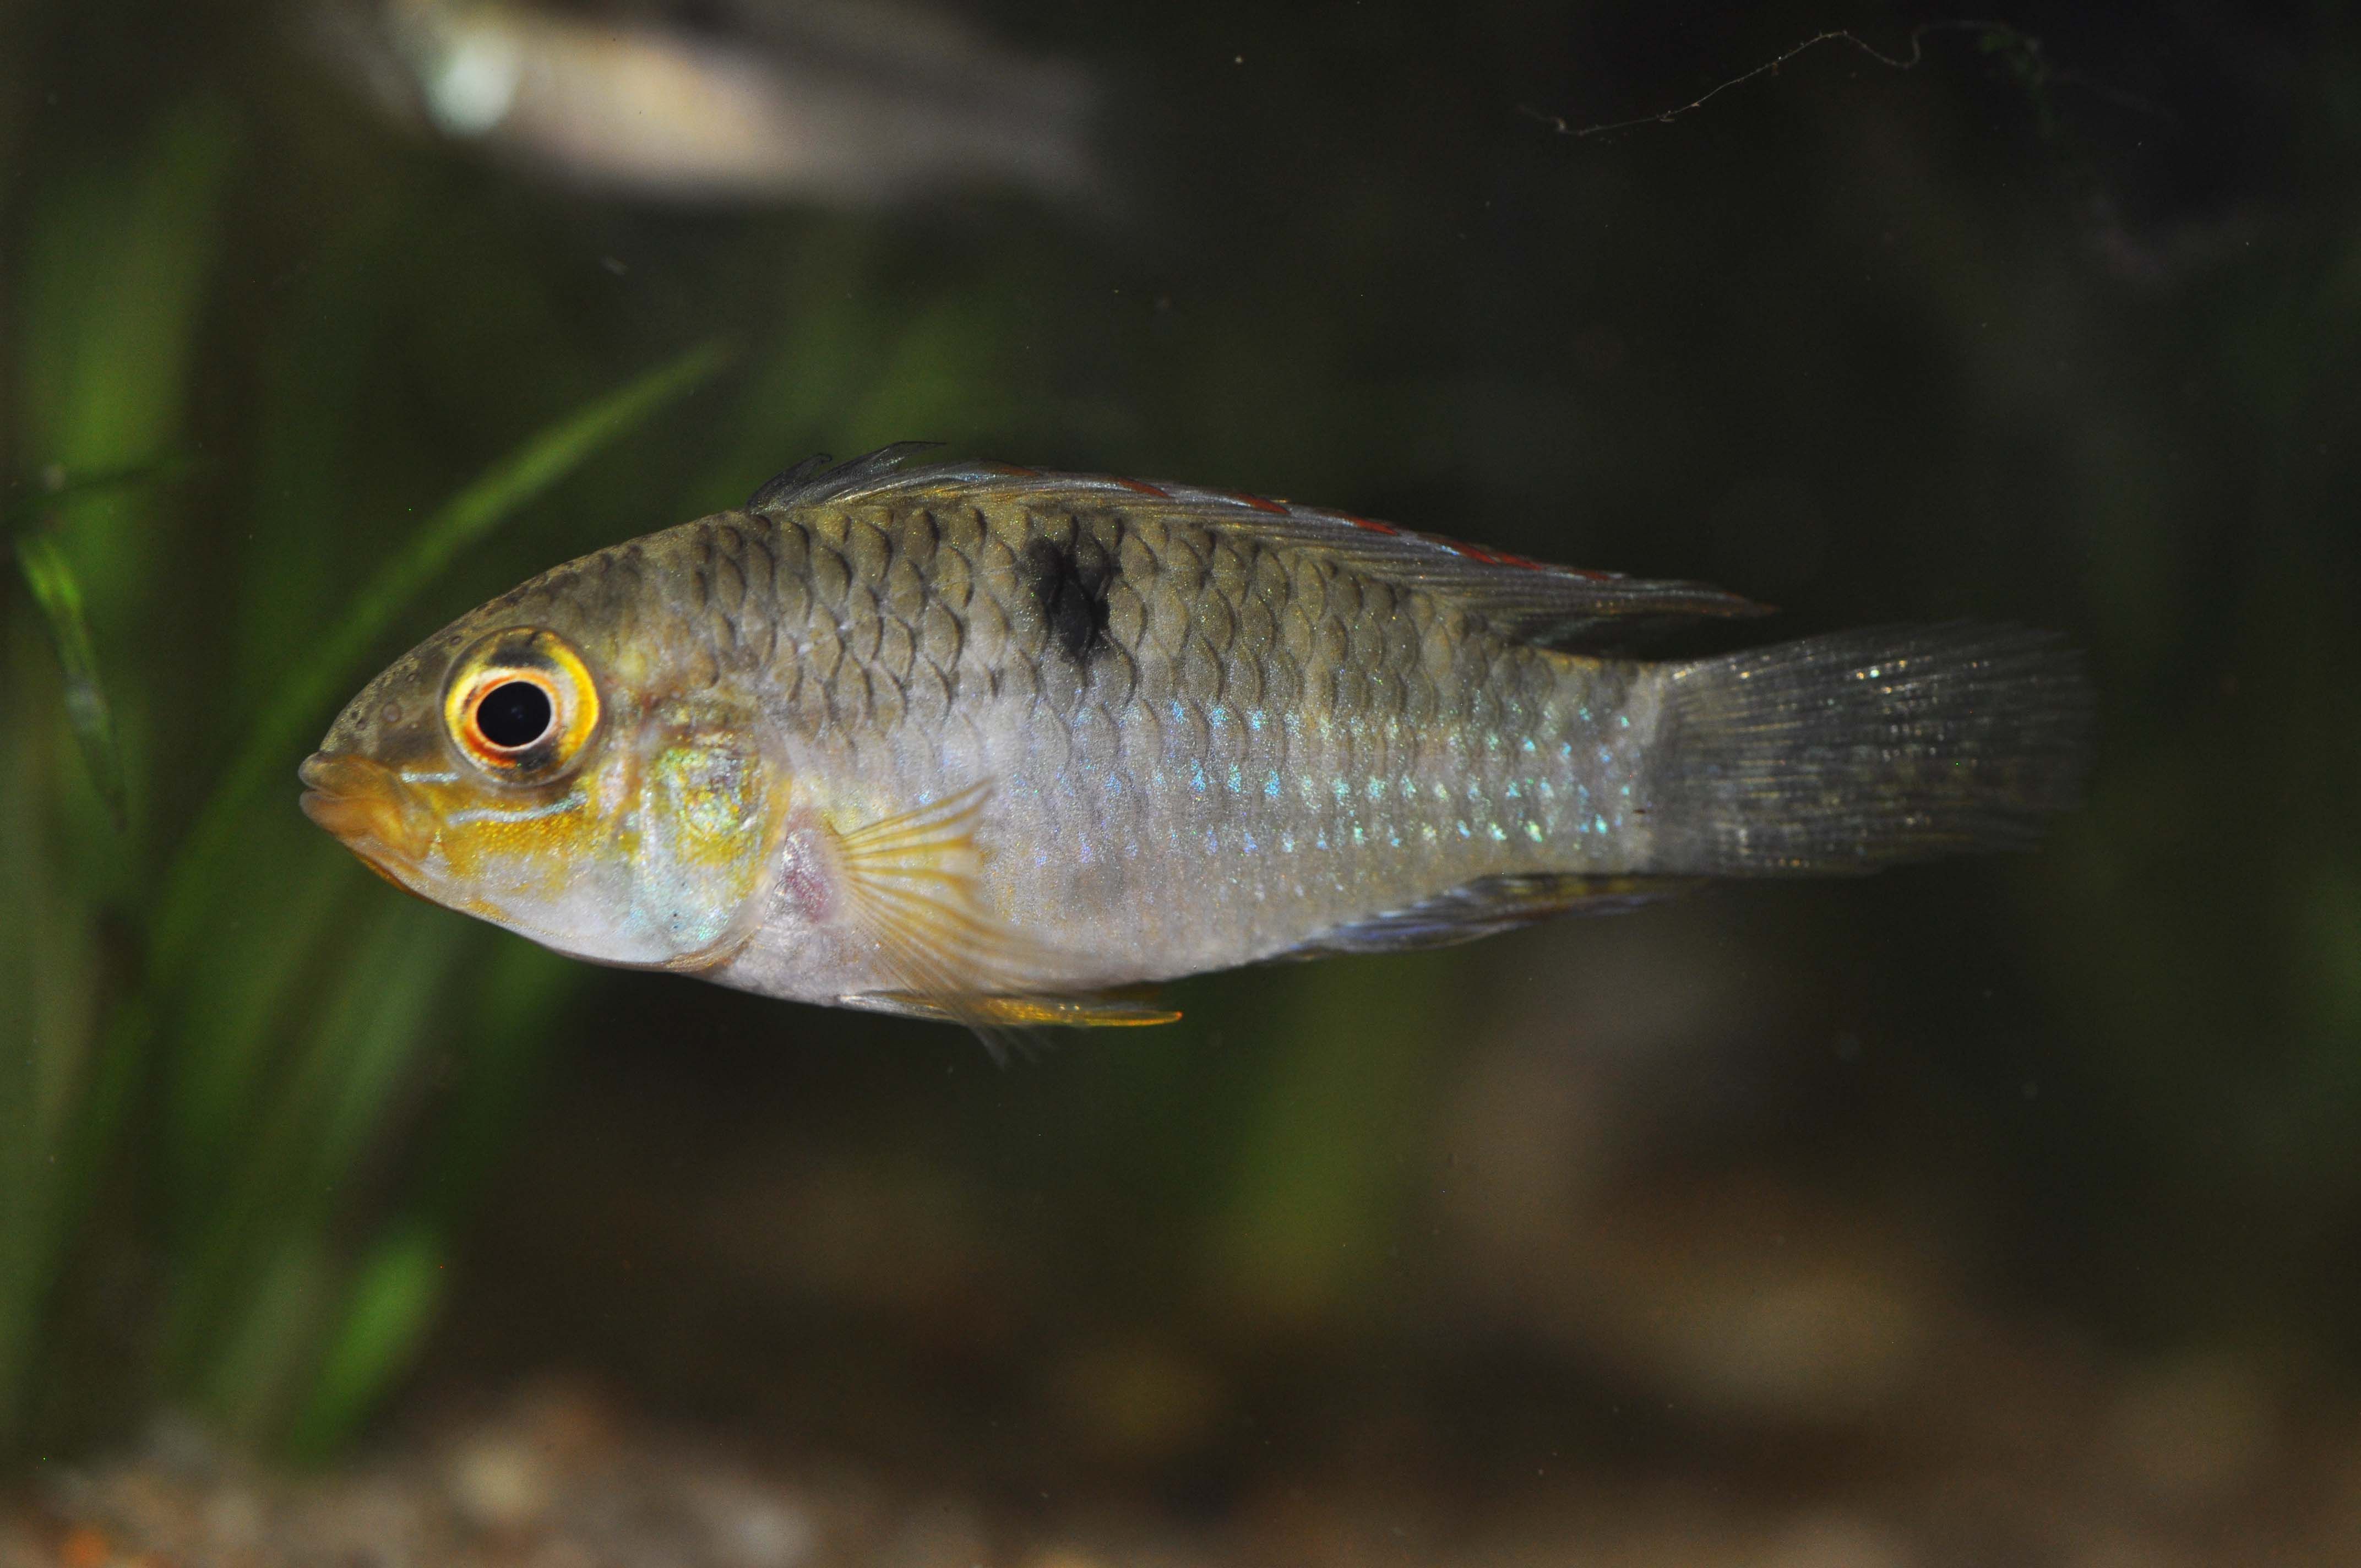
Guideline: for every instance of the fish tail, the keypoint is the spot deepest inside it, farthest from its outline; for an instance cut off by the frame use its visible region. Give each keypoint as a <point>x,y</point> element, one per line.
<point>1865,748</point>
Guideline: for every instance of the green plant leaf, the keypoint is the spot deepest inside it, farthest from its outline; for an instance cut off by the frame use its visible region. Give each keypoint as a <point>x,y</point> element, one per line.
<point>385,1315</point>
<point>58,597</point>
<point>274,744</point>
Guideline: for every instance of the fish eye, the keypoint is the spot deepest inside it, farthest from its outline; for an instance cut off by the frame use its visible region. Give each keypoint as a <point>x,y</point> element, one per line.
<point>522,705</point>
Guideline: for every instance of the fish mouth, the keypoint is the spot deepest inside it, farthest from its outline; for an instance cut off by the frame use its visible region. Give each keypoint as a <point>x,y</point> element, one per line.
<point>363,804</point>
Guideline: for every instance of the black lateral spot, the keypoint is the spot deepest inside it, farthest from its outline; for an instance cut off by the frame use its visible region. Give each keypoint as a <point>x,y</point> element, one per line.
<point>1069,588</point>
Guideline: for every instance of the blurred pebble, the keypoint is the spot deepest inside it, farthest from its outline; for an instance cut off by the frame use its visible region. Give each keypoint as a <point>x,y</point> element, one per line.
<point>2125,1551</point>
<point>1838,1544</point>
<point>499,1484</point>
<point>2196,1430</point>
<point>1136,1400</point>
<point>938,1534</point>
<point>749,1527</point>
<point>234,1520</point>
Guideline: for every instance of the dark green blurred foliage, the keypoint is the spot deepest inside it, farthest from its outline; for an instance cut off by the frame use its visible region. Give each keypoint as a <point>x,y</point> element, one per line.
<point>210,1029</point>
<point>2070,338</point>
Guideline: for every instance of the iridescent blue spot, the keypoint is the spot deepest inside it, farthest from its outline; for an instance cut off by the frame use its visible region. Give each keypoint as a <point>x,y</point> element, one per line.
<point>1250,843</point>
<point>1463,831</point>
<point>1238,779</point>
<point>1197,778</point>
<point>1599,824</point>
<point>1270,787</point>
<point>1212,845</point>
<point>1534,832</point>
<point>1498,837</point>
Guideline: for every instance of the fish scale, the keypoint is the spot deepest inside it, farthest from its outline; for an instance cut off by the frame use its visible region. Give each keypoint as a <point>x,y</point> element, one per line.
<point>987,743</point>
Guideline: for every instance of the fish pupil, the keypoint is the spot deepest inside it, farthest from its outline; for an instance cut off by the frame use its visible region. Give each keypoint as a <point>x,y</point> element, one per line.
<point>515,714</point>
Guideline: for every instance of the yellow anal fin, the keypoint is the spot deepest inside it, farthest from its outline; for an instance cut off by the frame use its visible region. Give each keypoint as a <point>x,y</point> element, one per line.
<point>1125,1009</point>
<point>1011,1025</point>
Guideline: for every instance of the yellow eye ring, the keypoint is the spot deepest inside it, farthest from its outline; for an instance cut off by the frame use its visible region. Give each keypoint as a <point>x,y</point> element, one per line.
<point>522,704</point>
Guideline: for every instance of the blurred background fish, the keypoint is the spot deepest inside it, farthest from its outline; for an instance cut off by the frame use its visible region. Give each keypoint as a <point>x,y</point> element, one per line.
<point>746,101</point>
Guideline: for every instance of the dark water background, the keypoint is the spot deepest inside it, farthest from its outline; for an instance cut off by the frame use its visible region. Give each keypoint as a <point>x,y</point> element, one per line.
<point>2029,1184</point>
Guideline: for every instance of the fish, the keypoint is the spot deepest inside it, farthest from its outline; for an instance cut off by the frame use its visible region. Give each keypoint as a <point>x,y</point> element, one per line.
<point>849,105</point>
<point>1010,748</point>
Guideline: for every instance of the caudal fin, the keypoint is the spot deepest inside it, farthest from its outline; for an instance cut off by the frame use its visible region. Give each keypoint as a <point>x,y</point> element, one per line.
<point>1866,749</point>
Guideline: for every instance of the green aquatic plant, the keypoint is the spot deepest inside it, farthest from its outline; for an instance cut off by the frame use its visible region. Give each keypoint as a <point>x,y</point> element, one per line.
<point>59,597</point>
<point>214,981</point>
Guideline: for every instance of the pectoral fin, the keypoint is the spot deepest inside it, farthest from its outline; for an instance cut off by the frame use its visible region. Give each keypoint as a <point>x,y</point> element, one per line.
<point>914,888</point>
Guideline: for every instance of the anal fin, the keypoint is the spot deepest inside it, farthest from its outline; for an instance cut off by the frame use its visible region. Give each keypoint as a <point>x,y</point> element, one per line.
<point>1079,1010</point>
<point>1487,905</point>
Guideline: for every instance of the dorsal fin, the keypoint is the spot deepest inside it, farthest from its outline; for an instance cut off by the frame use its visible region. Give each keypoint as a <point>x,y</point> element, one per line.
<point>1531,601</point>
<point>813,480</point>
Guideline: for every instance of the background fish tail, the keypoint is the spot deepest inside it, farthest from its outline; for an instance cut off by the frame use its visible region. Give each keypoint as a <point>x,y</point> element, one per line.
<point>1862,750</point>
